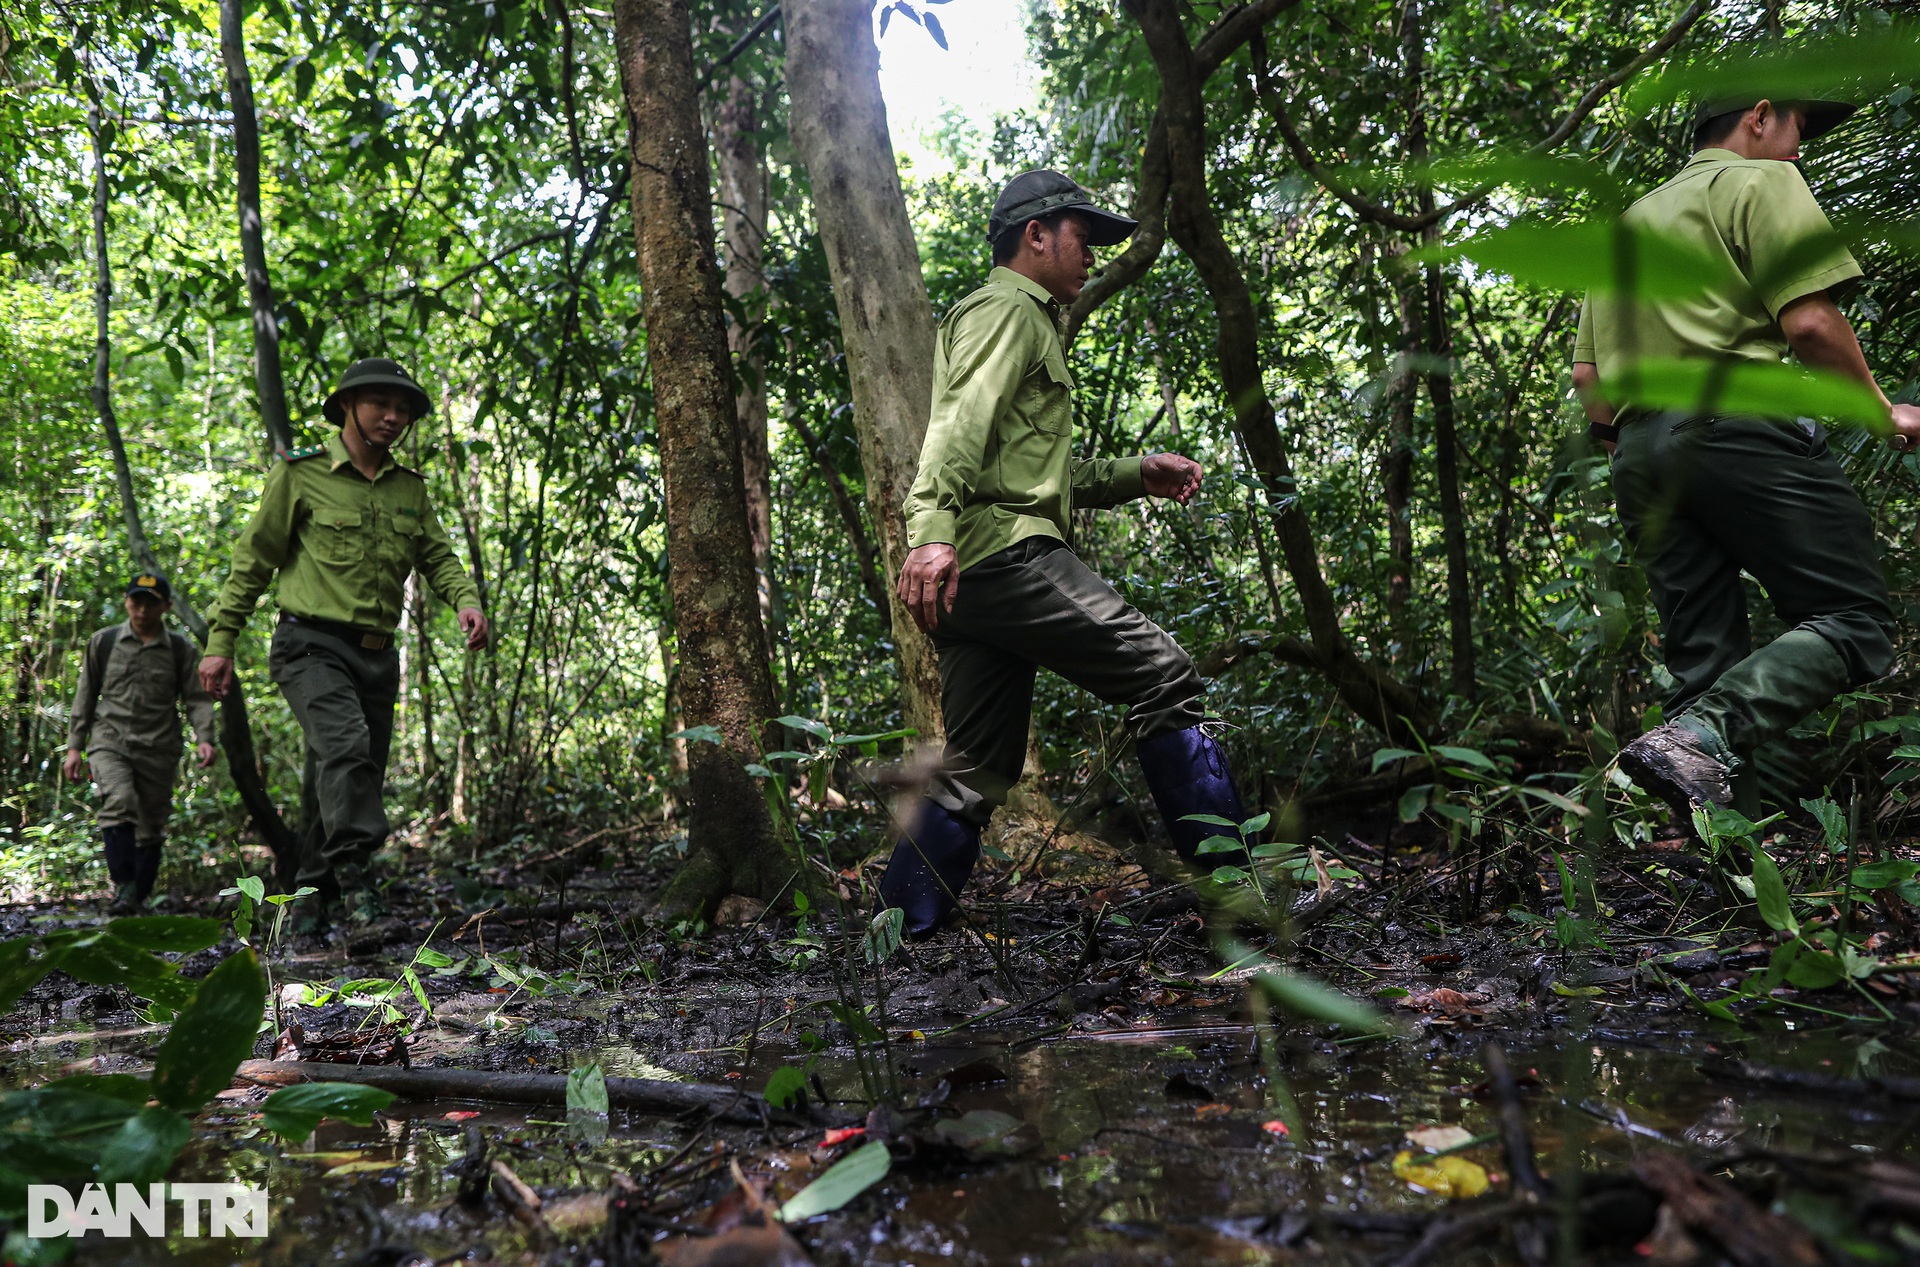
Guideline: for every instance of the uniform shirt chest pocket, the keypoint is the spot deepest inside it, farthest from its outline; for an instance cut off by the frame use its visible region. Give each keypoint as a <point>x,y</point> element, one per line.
<point>335,537</point>
<point>1052,388</point>
<point>402,539</point>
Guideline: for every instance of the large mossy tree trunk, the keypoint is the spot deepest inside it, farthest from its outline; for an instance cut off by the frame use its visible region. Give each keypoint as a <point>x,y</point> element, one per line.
<point>839,123</point>
<point>236,729</point>
<point>725,681</point>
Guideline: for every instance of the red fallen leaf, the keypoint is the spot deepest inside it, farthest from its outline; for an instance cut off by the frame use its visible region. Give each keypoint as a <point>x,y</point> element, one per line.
<point>1206,1111</point>
<point>841,1135</point>
<point>460,1115</point>
<point>731,1075</point>
<point>1275,1128</point>
<point>1445,959</point>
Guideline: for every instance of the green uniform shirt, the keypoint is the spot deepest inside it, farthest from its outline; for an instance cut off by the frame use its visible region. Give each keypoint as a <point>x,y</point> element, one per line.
<point>997,466</point>
<point>1760,218</point>
<point>135,706</point>
<point>342,544</point>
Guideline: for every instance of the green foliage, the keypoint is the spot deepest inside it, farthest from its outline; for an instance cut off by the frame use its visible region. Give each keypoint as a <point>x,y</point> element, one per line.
<point>293,1112</point>
<point>842,1182</point>
<point>212,1035</point>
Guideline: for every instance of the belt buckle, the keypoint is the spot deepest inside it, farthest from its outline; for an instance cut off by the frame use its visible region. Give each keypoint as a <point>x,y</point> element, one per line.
<point>372,642</point>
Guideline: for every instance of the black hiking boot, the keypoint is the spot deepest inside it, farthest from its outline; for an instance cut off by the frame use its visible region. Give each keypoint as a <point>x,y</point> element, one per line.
<point>1674,764</point>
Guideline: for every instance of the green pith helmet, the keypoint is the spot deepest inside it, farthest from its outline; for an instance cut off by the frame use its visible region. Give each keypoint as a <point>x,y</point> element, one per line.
<point>1822,116</point>
<point>375,371</point>
<point>1039,193</point>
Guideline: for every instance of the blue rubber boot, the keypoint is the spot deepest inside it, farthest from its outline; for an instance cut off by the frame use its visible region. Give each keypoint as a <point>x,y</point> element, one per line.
<point>929,867</point>
<point>1187,772</point>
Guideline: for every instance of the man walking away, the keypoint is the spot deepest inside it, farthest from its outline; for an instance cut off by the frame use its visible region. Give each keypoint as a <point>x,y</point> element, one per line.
<point>1705,497</point>
<point>134,680</point>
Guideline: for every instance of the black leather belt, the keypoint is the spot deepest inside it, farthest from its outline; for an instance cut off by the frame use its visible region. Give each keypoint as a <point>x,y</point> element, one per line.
<point>365,639</point>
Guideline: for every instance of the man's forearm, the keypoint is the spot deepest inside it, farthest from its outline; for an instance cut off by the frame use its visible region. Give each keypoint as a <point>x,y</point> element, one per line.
<point>1823,339</point>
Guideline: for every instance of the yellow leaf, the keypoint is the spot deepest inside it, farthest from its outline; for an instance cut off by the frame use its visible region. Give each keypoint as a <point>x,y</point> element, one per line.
<point>1452,1177</point>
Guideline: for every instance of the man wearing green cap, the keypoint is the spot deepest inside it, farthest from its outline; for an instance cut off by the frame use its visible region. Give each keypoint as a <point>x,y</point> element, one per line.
<point>134,679</point>
<point>1704,496</point>
<point>343,525</point>
<point>991,575</point>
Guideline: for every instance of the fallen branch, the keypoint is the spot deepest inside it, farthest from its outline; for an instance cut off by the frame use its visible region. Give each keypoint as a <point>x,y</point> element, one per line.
<point>1513,1124</point>
<point>1751,1236</point>
<point>643,1094</point>
<point>1905,1090</point>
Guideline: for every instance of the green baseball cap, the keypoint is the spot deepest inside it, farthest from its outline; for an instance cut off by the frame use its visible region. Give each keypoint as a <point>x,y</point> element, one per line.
<point>1041,193</point>
<point>1822,116</point>
<point>375,371</point>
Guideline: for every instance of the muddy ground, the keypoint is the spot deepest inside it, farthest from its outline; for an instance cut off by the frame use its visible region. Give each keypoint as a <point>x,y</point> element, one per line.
<point>1086,1073</point>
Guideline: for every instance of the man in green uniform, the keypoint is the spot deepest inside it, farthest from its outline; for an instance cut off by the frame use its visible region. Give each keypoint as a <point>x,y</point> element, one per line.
<point>1704,497</point>
<point>991,576</point>
<point>343,525</point>
<point>134,680</point>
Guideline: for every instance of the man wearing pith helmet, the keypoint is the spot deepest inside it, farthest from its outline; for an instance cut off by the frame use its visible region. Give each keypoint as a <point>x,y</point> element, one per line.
<point>343,525</point>
<point>992,576</point>
<point>1705,496</point>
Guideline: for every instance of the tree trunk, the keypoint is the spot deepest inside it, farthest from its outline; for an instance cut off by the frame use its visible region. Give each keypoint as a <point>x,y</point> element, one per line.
<point>1446,471</point>
<point>743,231</point>
<point>726,683</point>
<point>1403,397</point>
<point>839,126</point>
<point>253,248</point>
<point>863,551</point>
<point>1375,695</point>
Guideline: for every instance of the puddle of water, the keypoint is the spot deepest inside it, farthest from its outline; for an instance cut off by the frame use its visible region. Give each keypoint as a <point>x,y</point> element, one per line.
<point>1124,1170</point>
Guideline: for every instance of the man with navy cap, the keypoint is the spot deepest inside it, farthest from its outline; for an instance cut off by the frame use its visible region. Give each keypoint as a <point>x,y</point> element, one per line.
<point>134,680</point>
<point>991,574</point>
<point>343,525</point>
<point>1705,496</point>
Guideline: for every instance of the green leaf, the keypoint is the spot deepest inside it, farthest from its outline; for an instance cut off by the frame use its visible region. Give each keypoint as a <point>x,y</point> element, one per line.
<point>1211,820</point>
<point>1258,823</point>
<point>144,1148</point>
<point>433,958</point>
<point>1815,970</point>
<point>883,936</point>
<point>293,1112</point>
<point>1273,849</point>
<point>1306,997</point>
<point>700,734</point>
<point>1843,64</point>
<point>1884,875</point>
<point>987,1133</point>
<point>1229,875</point>
<point>419,990</point>
<point>212,1035</point>
<point>587,1089</point>
<point>177,933</point>
<point>1466,756</point>
<point>1554,799</point>
<point>1220,844</point>
<point>1768,389</point>
<point>812,727</point>
<point>100,958</point>
<point>253,886</point>
<point>786,1084</point>
<point>1413,802</point>
<point>843,1181</point>
<point>1712,1007</point>
<point>1603,257</point>
<point>21,969</point>
<point>1770,893</point>
<point>1386,755</point>
<point>856,1022</point>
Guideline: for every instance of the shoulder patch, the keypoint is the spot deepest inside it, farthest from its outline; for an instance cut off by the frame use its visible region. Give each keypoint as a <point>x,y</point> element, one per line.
<point>300,455</point>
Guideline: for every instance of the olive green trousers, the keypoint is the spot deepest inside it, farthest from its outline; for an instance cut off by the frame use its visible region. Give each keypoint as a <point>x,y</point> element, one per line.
<point>343,697</point>
<point>135,788</point>
<point>1030,606</point>
<point>1704,499</point>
